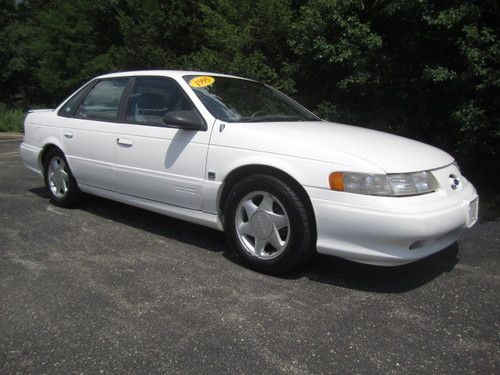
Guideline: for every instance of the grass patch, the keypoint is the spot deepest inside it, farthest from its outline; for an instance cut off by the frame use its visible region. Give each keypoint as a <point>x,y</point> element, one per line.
<point>11,120</point>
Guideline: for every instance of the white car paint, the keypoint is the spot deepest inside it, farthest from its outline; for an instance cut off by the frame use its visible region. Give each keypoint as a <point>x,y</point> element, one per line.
<point>166,170</point>
<point>169,173</point>
<point>89,147</point>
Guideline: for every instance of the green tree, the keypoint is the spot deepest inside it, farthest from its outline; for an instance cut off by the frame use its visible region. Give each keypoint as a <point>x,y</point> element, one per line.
<point>157,34</point>
<point>428,70</point>
<point>72,39</point>
<point>18,63</point>
<point>246,37</point>
<point>470,73</point>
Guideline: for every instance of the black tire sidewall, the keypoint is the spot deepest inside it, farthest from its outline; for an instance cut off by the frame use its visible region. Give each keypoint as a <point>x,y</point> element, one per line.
<point>299,247</point>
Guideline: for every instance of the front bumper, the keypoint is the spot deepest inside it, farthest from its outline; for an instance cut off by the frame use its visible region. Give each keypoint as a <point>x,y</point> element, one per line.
<point>391,231</point>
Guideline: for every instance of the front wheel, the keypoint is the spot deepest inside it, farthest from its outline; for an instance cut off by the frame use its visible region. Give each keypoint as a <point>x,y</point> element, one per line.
<point>267,224</point>
<point>59,181</point>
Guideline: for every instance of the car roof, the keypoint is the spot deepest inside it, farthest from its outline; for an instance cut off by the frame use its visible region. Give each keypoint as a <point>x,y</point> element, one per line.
<point>167,73</point>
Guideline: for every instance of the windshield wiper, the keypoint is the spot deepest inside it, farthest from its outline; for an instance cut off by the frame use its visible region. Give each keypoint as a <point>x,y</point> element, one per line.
<point>272,118</point>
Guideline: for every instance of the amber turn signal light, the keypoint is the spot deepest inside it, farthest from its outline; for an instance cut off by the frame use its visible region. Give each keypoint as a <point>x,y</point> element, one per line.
<point>336,180</point>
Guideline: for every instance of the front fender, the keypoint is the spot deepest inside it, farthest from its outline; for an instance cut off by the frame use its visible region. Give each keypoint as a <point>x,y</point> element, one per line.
<point>222,161</point>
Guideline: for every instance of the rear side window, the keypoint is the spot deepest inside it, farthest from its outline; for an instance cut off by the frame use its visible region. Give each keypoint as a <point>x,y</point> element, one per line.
<point>69,107</point>
<point>101,103</point>
<point>152,98</point>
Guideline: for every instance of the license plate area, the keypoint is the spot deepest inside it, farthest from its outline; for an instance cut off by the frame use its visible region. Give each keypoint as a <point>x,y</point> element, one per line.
<point>472,213</point>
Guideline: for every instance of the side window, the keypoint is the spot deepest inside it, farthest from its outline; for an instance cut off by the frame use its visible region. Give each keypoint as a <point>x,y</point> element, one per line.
<point>152,98</point>
<point>69,107</point>
<point>101,103</point>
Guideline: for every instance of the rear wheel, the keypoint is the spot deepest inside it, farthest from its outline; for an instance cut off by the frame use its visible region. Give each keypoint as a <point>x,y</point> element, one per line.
<point>267,224</point>
<point>59,181</point>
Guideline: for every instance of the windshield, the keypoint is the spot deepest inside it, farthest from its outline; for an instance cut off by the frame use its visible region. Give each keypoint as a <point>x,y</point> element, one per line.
<point>240,100</point>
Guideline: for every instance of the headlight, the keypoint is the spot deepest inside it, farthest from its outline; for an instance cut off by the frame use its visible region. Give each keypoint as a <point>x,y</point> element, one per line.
<point>380,184</point>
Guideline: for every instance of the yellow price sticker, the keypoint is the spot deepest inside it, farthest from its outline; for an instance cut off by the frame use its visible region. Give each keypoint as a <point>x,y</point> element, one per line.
<point>201,81</point>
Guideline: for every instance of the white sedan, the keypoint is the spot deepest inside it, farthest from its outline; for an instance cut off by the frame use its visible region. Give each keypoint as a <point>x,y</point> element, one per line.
<point>237,155</point>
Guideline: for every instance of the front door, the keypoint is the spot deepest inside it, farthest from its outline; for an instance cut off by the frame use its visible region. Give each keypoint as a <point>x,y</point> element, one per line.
<point>154,161</point>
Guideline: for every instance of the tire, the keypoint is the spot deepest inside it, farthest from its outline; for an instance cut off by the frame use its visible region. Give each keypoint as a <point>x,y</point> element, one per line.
<point>59,181</point>
<point>267,225</point>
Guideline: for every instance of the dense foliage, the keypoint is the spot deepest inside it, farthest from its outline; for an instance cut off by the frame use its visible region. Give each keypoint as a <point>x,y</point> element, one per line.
<point>425,69</point>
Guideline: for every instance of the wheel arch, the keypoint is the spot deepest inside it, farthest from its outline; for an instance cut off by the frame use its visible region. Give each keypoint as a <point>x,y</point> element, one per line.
<point>49,145</point>
<point>253,169</point>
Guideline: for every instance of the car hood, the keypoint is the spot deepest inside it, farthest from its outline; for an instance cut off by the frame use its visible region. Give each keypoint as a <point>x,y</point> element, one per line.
<point>335,143</point>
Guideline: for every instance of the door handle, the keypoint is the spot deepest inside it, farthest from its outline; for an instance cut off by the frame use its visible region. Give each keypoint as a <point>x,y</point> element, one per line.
<point>68,135</point>
<point>124,142</point>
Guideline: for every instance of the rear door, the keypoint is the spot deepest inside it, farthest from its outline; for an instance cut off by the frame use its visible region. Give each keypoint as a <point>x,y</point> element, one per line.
<point>155,161</point>
<point>89,133</point>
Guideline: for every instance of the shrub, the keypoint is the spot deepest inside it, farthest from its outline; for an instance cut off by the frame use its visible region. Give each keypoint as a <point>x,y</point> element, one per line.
<point>11,120</point>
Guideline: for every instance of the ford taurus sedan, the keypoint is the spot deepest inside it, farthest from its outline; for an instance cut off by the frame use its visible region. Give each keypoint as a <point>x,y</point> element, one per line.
<point>236,155</point>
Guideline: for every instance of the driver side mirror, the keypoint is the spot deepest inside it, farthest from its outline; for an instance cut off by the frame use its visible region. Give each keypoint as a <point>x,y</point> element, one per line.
<point>187,120</point>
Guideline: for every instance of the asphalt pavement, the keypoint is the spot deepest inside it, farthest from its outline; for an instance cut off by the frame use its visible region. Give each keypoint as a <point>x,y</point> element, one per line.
<point>108,288</point>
